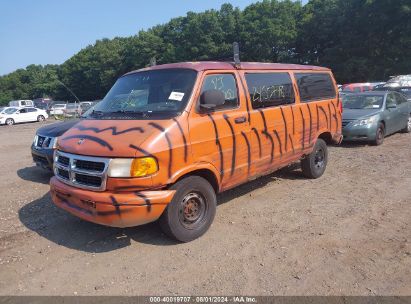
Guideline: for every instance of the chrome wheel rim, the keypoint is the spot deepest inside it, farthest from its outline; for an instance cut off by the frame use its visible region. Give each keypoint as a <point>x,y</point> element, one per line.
<point>192,210</point>
<point>9,122</point>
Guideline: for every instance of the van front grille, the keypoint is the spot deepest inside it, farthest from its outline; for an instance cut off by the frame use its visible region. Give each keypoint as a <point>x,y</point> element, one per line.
<point>82,171</point>
<point>64,160</point>
<point>87,180</point>
<point>90,165</point>
<point>63,174</point>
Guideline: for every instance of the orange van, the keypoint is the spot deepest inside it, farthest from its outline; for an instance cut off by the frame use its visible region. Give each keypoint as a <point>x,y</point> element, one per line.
<point>166,139</point>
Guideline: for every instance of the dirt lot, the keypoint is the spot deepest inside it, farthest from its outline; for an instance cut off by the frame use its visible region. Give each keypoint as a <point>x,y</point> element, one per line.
<point>347,233</point>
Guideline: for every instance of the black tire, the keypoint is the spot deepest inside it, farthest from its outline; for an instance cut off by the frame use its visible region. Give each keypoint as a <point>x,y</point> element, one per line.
<point>407,128</point>
<point>41,118</point>
<point>314,164</point>
<point>379,136</point>
<point>9,121</point>
<point>191,211</point>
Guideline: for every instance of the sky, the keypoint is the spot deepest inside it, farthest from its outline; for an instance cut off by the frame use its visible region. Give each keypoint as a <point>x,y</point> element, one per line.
<point>50,32</point>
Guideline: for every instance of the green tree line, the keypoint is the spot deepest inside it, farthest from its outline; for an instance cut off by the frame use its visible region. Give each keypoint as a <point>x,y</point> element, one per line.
<point>360,40</point>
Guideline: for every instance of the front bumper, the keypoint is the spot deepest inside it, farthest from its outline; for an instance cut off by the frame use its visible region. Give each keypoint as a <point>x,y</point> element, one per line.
<point>360,133</point>
<point>42,157</point>
<point>116,209</point>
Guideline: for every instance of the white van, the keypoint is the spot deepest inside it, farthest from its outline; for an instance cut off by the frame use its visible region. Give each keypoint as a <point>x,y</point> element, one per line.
<point>21,103</point>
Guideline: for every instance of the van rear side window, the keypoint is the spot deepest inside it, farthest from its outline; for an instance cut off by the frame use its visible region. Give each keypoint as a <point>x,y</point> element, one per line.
<point>269,89</point>
<point>315,86</point>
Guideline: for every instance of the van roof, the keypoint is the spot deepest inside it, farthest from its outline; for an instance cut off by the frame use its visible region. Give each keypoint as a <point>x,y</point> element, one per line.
<point>216,65</point>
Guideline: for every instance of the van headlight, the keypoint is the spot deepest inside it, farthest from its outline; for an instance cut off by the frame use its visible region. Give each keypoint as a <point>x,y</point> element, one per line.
<point>365,122</point>
<point>132,167</point>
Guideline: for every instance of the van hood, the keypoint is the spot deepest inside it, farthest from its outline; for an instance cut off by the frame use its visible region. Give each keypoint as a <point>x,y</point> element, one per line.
<point>108,138</point>
<point>352,114</point>
<point>57,129</point>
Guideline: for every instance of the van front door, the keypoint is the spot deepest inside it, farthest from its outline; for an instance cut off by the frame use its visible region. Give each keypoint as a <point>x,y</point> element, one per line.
<point>219,135</point>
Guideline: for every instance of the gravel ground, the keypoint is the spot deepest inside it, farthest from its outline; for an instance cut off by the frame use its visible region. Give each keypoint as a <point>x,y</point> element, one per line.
<point>347,233</point>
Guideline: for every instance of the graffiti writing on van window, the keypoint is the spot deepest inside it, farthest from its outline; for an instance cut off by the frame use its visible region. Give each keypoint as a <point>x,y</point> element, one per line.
<point>274,92</point>
<point>218,84</point>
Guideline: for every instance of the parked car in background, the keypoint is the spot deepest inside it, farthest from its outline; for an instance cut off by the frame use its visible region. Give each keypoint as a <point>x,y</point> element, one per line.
<point>57,109</point>
<point>40,105</point>
<point>2,109</point>
<point>8,109</point>
<point>359,87</point>
<point>370,116</point>
<point>406,91</point>
<point>399,81</point>
<point>22,114</point>
<point>21,103</point>
<point>85,105</point>
<point>72,110</point>
<point>45,141</point>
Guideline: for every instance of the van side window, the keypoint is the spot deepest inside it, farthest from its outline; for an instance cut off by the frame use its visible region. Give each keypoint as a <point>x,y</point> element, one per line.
<point>315,86</point>
<point>224,83</point>
<point>269,89</point>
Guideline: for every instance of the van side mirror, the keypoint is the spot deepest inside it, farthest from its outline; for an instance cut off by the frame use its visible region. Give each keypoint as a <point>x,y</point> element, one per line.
<point>211,99</point>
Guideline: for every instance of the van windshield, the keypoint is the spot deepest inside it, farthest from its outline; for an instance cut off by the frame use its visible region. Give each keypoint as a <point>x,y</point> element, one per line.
<point>163,93</point>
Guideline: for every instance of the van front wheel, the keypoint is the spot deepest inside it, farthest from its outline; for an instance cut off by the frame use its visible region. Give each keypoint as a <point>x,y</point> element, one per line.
<point>191,211</point>
<point>314,164</point>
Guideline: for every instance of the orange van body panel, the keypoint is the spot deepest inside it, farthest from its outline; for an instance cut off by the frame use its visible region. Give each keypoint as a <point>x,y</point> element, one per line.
<point>232,152</point>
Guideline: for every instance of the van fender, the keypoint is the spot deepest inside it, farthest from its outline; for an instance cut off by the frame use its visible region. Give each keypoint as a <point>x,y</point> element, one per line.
<point>187,170</point>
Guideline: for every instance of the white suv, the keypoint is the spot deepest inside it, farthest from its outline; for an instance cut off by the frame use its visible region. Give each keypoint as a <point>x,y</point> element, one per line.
<point>10,116</point>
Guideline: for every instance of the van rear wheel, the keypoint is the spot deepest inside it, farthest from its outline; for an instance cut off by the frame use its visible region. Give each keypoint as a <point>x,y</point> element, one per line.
<point>314,164</point>
<point>191,211</point>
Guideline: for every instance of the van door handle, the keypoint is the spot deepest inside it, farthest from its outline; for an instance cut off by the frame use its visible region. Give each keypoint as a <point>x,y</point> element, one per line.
<point>240,120</point>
